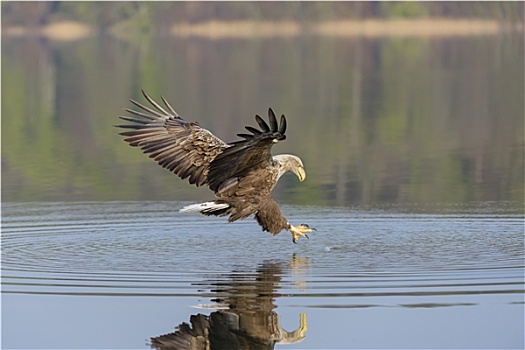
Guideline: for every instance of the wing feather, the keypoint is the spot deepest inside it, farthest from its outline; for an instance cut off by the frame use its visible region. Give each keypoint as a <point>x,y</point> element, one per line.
<point>245,136</point>
<point>152,112</point>
<point>282,126</point>
<point>273,120</point>
<point>262,124</point>
<point>140,114</point>
<point>185,148</point>
<point>245,156</point>
<point>155,104</point>
<point>253,130</point>
<point>190,151</point>
<point>169,107</point>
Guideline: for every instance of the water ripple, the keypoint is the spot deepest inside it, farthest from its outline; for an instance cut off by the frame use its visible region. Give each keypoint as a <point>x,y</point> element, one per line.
<point>149,249</point>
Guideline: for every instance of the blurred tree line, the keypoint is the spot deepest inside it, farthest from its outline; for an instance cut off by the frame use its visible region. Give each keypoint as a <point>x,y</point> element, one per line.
<point>158,16</point>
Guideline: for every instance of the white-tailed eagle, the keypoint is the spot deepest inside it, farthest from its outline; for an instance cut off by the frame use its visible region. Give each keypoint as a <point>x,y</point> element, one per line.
<point>242,174</point>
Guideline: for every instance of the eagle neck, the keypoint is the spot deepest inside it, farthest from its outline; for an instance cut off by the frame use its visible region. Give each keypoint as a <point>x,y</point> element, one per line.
<point>281,166</point>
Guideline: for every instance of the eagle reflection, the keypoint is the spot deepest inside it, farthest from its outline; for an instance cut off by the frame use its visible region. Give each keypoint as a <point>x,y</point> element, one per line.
<point>246,318</point>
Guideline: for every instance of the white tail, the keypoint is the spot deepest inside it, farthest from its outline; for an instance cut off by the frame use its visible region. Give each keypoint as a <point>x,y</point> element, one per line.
<point>206,207</point>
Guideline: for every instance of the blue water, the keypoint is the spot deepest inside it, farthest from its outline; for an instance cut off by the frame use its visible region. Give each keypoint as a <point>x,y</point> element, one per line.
<point>114,274</point>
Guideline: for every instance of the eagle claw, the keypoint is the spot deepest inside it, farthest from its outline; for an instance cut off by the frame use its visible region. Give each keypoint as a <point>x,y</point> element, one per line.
<point>300,231</point>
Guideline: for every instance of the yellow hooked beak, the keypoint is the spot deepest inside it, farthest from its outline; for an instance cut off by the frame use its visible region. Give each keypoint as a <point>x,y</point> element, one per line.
<point>300,173</point>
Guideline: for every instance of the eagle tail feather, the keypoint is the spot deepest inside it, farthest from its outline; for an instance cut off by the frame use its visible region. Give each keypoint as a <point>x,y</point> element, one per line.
<point>207,208</point>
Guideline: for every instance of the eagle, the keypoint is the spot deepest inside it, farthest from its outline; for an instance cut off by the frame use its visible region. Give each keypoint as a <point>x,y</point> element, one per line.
<point>241,174</point>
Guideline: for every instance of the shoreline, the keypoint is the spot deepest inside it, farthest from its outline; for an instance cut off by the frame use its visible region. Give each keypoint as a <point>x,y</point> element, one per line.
<point>246,29</point>
<point>428,27</point>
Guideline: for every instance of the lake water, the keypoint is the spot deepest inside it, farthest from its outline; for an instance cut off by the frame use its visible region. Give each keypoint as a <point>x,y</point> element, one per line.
<point>414,152</point>
<point>115,274</point>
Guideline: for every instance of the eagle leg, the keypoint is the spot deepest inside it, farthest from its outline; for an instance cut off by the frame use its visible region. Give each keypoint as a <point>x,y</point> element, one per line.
<point>300,231</point>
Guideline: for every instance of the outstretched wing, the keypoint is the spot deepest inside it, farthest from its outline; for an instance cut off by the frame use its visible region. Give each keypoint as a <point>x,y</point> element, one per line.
<point>185,148</point>
<point>245,156</point>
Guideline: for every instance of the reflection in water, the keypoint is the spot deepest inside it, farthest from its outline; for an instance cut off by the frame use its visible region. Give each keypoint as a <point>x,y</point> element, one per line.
<point>405,120</point>
<point>245,318</point>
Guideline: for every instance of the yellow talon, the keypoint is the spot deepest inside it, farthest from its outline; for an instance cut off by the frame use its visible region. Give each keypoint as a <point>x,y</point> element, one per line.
<point>300,231</point>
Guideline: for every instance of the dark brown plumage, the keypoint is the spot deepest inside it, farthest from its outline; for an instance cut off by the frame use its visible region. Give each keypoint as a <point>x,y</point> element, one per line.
<point>242,174</point>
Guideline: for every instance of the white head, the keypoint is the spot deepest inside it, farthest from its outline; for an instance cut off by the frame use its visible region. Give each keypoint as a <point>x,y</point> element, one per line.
<point>288,162</point>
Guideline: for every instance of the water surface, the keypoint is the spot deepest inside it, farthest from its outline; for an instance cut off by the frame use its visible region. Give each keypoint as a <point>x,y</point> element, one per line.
<point>115,274</point>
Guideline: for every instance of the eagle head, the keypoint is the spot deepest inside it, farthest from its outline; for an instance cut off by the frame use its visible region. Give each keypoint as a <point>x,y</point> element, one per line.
<point>288,162</point>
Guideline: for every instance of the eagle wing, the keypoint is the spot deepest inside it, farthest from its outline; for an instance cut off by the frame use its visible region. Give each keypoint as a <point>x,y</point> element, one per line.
<point>253,154</point>
<point>185,148</point>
